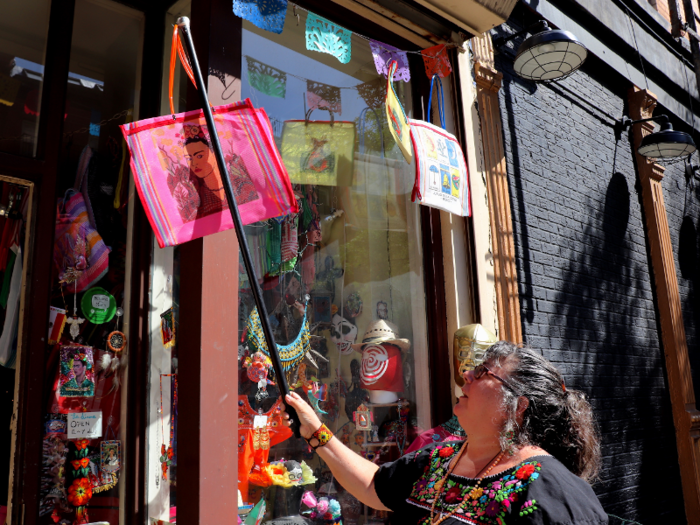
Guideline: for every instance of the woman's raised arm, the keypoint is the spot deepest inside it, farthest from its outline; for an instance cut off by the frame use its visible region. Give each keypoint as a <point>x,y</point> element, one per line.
<point>353,472</point>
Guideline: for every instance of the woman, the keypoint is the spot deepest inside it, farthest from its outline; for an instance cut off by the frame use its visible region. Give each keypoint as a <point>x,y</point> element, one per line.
<point>531,448</point>
<point>202,163</point>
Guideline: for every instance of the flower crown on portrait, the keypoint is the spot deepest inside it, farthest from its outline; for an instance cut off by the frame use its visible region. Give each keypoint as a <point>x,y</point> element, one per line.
<point>192,131</point>
<point>83,359</point>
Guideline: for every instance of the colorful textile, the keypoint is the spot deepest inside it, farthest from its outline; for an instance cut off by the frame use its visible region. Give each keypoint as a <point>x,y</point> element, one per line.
<point>384,54</point>
<point>290,239</point>
<point>538,490</point>
<point>265,14</point>
<point>326,37</point>
<point>178,179</point>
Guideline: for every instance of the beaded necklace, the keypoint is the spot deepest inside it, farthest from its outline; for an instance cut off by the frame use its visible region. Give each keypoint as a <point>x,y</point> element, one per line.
<point>292,354</point>
<point>441,485</point>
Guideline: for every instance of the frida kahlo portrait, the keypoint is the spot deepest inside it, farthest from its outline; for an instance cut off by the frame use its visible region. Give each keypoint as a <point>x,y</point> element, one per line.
<point>194,180</point>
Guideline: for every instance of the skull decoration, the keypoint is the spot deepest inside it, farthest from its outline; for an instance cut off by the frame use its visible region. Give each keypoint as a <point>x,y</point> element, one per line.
<point>294,470</point>
<point>343,334</point>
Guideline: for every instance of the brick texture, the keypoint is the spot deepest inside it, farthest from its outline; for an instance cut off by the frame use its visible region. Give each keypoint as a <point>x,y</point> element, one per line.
<point>585,276</point>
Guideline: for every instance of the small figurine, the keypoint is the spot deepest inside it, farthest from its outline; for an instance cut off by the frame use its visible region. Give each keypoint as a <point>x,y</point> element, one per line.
<point>363,418</point>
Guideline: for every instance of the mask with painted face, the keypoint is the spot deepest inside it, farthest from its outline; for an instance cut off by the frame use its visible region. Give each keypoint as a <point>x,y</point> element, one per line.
<point>343,334</point>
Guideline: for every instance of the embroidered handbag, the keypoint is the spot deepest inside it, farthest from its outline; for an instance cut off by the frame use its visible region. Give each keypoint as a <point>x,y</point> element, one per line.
<point>319,152</point>
<point>442,176</point>
<point>178,179</point>
<point>80,255</point>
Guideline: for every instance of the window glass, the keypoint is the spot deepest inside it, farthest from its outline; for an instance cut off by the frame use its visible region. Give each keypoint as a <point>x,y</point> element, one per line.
<point>161,433</point>
<point>23,30</point>
<point>86,416</point>
<point>349,263</point>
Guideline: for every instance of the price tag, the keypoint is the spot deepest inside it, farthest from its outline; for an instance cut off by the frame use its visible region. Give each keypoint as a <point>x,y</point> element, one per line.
<point>259,421</point>
<point>84,425</point>
<point>101,302</point>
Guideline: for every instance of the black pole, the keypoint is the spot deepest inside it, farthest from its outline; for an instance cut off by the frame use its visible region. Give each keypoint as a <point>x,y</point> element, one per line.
<point>184,24</point>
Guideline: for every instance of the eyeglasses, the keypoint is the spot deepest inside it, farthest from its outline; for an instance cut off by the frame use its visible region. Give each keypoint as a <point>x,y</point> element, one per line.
<point>481,370</point>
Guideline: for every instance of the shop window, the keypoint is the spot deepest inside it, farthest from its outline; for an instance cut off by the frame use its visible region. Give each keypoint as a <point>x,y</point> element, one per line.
<point>347,264</point>
<point>86,416</point>
<point>23,30</point>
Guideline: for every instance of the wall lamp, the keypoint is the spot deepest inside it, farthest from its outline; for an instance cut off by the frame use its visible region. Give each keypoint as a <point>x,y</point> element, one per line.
<point>663,144</point>
<point>548,55</point>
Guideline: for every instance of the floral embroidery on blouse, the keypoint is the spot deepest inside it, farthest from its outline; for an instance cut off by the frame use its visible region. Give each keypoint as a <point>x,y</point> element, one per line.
<point>490,503</point>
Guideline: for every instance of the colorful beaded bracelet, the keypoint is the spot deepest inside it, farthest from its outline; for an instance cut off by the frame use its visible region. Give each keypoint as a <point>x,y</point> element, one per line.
<point>322,436</point>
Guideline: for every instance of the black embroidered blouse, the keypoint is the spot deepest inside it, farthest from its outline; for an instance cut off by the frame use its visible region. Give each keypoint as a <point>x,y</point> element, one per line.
<point>539,491</point>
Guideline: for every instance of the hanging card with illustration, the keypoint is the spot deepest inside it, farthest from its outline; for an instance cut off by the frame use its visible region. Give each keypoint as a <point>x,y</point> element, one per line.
<point>398,122</point>
<point>442,176</point>
<point>77,374</point>
<point>178,180</point>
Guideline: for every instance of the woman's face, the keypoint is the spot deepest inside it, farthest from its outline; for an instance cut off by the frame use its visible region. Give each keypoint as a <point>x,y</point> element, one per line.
<point>78,369</point>
<point>479,407</point>
<point>199,158</point>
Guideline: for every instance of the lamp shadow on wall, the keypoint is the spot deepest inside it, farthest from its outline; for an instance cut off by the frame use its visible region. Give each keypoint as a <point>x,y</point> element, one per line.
<point>606,290</point>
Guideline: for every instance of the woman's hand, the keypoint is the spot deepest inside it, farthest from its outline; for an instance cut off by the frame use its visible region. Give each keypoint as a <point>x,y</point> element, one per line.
<point>308,419</point>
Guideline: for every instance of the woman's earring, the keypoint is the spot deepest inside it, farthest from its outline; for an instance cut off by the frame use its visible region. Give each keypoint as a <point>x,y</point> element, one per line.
<point>508,439</point>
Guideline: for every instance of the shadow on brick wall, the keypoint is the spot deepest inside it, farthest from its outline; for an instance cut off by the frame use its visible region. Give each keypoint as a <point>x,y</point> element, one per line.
<point>606,323</point>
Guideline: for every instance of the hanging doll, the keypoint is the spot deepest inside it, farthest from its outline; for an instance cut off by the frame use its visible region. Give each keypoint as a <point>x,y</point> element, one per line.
<point>258,366</point>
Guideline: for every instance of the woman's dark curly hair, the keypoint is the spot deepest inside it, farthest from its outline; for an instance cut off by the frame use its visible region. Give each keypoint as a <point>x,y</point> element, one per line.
<point>557,419</point>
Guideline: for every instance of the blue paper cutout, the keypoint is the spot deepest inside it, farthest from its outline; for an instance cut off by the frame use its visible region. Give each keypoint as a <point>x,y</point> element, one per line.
<point>326,37</point>
<point>265,14</point>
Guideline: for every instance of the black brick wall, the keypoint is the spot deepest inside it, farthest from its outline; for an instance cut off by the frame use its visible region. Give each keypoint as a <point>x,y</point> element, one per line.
<point>585,275</point>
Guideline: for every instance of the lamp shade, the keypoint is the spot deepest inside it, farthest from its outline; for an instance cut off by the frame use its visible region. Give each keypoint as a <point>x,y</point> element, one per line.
<point>549,56</point>
<point>667,144</point>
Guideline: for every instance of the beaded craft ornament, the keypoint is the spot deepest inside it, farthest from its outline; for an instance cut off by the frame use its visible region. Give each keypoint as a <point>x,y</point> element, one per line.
<point>291,355</point>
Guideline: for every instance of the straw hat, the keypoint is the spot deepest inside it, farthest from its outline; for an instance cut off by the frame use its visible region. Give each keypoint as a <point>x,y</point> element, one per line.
<point>382,332</point>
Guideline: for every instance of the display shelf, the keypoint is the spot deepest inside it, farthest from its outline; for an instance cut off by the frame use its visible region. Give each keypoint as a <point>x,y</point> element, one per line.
<point>382,444</point>
<point>377,405</point>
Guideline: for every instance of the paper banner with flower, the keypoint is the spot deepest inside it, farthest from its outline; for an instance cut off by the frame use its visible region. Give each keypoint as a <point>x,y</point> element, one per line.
<point>320,95</point>
<point>265,14</point>
<point>436,61</point>
<point>384,54</point>
<point>266,79</point>
<point>326,37</point>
